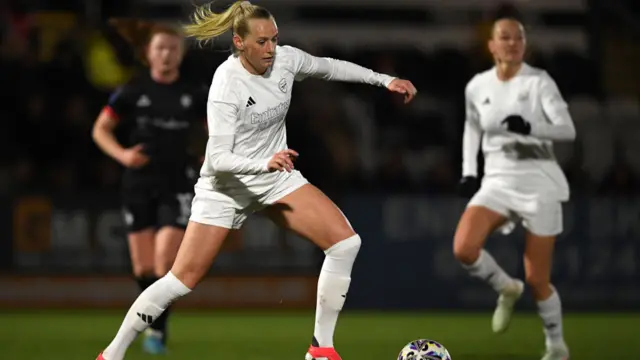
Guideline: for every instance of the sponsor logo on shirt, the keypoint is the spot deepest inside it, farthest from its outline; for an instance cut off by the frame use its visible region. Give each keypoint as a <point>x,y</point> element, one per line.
<point>270,116</point>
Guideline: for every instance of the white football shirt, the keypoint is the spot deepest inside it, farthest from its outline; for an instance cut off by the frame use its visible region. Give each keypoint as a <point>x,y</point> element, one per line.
<point>246,115</point>
<point>521,163</point>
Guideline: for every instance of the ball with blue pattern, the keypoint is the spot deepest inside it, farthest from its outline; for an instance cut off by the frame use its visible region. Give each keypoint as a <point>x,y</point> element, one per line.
<point>424,349</point>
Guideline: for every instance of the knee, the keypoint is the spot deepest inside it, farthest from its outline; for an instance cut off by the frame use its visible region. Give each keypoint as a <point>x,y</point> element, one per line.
<point>189,275</point>
<point>468,241</point>
<point>349,247</point>
<point>465,253</point>
<point>335,234</point>
<point>189,279</point>
<point>343,232</point>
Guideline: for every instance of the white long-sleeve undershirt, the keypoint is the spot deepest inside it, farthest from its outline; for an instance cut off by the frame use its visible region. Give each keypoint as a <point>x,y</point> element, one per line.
<point>223,115</point>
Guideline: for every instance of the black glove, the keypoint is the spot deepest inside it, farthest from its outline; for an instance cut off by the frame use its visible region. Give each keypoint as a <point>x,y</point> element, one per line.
<point>468,186</point>
<point>518,125</point>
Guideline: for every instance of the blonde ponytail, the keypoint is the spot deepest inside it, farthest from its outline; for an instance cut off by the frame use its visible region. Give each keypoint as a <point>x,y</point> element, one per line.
<point>207,25</point>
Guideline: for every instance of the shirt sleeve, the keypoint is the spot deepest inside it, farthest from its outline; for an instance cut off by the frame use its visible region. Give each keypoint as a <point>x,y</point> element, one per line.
<point>329,69</point>
<point>120,102</point>
<point>222,116</point>
<point>560,125</point>
<point>470,138</point>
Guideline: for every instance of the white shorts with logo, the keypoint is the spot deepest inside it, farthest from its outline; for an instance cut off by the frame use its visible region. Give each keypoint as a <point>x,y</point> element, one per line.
<point>211,207</point>
<point>540,217</point>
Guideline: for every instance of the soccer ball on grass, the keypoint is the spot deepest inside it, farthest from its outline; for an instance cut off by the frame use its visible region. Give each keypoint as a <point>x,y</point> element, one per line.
<point>424,349</point>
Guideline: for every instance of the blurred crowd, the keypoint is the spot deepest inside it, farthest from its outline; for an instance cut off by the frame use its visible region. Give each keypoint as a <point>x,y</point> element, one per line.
<point>352,138</point>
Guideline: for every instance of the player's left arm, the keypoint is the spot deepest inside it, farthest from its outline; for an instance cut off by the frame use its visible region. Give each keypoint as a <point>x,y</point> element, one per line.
<point>339,70</point>
<point>560,125</point>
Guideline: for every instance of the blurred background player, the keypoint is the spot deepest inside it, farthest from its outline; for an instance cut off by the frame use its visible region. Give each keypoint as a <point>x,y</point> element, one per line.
<point>520,112</point>
<point>248,167</point>
<point>158,110</point>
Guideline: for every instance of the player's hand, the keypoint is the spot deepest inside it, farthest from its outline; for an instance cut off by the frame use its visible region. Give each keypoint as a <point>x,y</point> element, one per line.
<point>282,161</point>
<point>133,157</point>
<point>468,186</point>
<point>404,87</point>
<point>516,124</point>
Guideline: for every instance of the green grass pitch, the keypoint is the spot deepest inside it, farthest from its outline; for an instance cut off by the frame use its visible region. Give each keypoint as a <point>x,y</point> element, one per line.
<point>263,335</point>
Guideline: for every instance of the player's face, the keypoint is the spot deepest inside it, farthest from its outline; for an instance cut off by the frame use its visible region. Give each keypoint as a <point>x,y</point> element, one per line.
<point>508,41</point>
<point>165,52</point>
<point>260,44</point>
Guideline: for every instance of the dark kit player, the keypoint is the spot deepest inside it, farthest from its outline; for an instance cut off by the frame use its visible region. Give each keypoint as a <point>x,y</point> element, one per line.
<point>157,111</point>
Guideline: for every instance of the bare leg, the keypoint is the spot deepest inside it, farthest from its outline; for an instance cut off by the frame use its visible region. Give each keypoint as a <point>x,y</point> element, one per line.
<point>538,258</point>
<point>474,227</point>
<point>167,242</point>
<point>199,247</point>
<point>141,249</point>
<point>311,214</point>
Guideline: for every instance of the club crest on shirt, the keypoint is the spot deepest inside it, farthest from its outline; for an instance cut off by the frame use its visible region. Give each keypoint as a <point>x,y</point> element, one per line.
<point>282,85</point>
<point>556,98</point>
<point>185,100</point>
<point>523,96</point>
<point>143,101</point>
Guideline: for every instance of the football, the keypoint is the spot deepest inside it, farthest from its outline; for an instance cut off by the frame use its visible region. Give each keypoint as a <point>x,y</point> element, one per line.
<point>424,349</point>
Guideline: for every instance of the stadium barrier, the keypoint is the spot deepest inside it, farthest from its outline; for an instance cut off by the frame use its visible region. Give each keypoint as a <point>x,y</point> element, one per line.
<point>405,262</point>
<point>408,240</point>
<point>119,292</point>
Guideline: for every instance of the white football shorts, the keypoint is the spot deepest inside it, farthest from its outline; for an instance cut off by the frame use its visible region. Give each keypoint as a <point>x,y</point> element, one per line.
<point>540,217</point>
<point>211,207</point>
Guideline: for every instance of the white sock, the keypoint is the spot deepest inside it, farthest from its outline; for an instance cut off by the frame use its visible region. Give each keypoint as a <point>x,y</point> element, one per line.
<point>487,269</point>
<point>333,284</point>
<point>550,311</point>
<point>147,307</point>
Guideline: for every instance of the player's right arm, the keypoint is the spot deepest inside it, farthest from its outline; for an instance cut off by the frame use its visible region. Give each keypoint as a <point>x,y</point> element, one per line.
<point>103,133</point>
<point>471,137</point>
<point>470,147</point>
<point>223,111</point>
